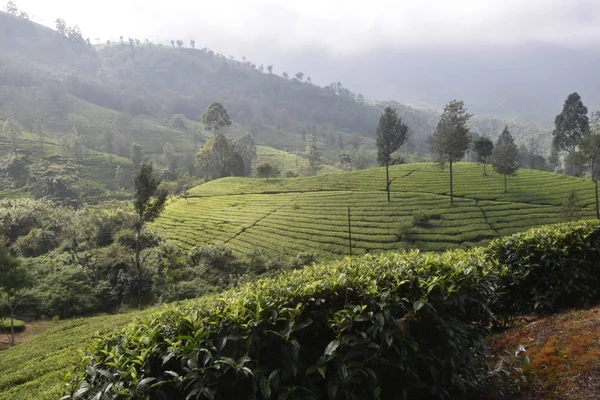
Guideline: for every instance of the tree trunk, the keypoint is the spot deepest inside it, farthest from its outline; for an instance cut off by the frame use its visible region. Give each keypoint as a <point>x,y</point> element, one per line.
<point>12,326</point>
<point>484,165</point>
<point>110,157</point>
<point>596,187</point>
<point>505,189</point>
<point>451,187</point>
<point>137,264</point>
<point>573,162</point>
<point>387,181</point>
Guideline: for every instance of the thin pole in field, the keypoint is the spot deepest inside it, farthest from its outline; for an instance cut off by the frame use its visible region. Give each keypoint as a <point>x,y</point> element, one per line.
<point>349,231</point>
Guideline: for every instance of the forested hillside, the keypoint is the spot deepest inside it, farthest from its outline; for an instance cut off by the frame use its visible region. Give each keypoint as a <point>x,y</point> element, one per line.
<point>156,91</point>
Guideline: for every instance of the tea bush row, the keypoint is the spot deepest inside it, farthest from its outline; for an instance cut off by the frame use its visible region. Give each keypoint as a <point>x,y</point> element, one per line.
<point>395,325</point>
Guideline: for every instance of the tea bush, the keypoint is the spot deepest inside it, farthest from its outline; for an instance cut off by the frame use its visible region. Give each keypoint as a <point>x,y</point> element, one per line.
<point>404,324</point>
<point>549,268</point>
<point>389,326</point>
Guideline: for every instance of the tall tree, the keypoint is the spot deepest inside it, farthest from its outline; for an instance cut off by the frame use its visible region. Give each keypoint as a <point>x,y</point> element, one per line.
<point>315,161</point>
<point>590,149</point>
<point>169,156</point>
<point>553,159</point>
<point>391,135</point>
<point>11,8</point>
<point>266,170</point>
<point>12,130</point>
<point>299,76</point>
<point>483,146</point>
<point>506,156</point>
<point>135,154</point>
<point>192,43</point>
<point>197,137</point>
<point>451,139</point>
<point>77,146</point>
<point>109,135</point>
<point>571,125</point>
<point>215,117</point>
<point>217,158</point>
<point>148,202</point>
<point>14,280</point>
<point>246,148</point>
<point>38,130</point>
<point>61,25</point>
<point>270,69</point>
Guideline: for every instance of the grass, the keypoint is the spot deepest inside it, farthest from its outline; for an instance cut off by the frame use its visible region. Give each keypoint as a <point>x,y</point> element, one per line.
<point>310,214</point>
<point>37,368</point>
<point>286,161</point>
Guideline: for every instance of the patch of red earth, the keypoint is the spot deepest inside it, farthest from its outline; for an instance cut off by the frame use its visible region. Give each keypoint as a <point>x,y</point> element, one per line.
<point>564,350</point>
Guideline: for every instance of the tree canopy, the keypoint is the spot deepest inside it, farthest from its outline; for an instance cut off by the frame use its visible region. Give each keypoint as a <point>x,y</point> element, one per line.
<point>215,117</point>
<point>506,156</point>
<point>571,125</point>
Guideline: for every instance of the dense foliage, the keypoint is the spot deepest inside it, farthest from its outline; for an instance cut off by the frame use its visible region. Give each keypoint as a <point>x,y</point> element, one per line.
<point>351,329</point>
<point>398,325</point>
<point>82,261</point>
<point>549,268</point>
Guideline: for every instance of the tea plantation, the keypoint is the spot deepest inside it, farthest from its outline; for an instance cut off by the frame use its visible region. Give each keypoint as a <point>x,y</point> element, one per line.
<point>348,327</point>
<point>309,214</point>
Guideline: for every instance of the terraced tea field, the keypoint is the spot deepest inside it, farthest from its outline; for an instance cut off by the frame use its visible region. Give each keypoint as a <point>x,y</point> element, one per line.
<point>310,214</point>
<point>286,161</point>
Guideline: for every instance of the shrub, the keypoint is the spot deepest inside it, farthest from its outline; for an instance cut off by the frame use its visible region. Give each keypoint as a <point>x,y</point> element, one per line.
<point>395,325</point>
<point>5,325</point>
<point>548,268</point>
<point>403,230</point>
<point>422,218</point>
<point>404,324</point>
<point>37,242</point>
<point>291,174</point>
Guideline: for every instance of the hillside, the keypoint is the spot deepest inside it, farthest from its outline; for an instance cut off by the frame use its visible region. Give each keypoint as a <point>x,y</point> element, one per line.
<point>40,368</point>
<point>37,369</point>
<point>148,86</point>
<point>310,214</point>
<point>52,176</point>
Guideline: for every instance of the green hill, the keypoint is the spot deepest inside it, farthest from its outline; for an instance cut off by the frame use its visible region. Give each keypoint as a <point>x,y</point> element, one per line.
<point>40,368</point>
<point>37,369</point>
<point>94,179</point>
<point>47,75</point>
<point>310,214</point>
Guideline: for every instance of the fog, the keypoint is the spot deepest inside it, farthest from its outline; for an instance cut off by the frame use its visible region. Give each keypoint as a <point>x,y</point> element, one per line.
<point>496,54</point>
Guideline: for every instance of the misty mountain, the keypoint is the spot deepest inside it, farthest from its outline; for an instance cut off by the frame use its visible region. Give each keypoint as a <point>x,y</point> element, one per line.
<point>135,78</point>
<point>527,81</point>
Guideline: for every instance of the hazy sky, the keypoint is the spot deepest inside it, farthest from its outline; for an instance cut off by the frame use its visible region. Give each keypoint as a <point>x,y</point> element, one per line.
<point>243,26</point>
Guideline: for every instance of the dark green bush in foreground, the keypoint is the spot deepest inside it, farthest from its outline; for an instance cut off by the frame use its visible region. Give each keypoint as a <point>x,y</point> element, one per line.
<point>397,325</point>
<point>549,268</point>
<point>387,326</point>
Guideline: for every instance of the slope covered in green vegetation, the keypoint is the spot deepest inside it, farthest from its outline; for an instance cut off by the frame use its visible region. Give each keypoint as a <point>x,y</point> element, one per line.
<point>148,80</point>
<point>407,303</point>
<point>51,176</point>
<point>309,214</point>
<point>39,368</point>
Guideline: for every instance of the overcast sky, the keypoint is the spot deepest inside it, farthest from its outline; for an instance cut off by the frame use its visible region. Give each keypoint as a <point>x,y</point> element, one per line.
<point>349,26</point>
